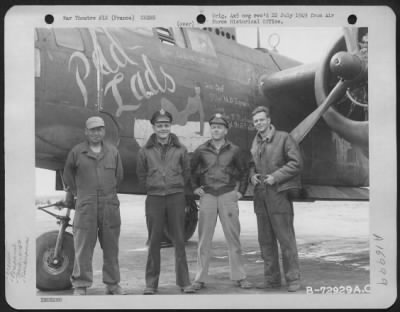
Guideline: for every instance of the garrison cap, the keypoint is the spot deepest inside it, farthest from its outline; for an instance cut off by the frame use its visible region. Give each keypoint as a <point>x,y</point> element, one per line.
<point>94,122</point>
<point>161,116</point>
<point>219,119</point>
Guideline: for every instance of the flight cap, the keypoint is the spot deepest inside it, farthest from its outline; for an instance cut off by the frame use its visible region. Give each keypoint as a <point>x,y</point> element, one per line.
<point>161,116</point>
<point>94,122</point>
<point>219,119</point>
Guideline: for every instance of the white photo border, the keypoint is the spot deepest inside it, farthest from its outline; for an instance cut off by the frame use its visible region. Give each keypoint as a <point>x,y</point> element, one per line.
<point>19,141</point>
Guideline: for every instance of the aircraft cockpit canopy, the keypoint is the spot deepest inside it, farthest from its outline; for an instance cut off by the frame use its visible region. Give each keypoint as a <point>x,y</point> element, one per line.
<point>186,38</point>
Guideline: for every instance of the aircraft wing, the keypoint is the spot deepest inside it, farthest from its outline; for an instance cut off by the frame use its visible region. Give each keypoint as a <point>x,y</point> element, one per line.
<point>319,192</point>
<point>310,192</point>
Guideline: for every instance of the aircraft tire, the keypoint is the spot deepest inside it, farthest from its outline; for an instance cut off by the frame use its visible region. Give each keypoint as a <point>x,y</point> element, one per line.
<point>50,277</point>
<point>191,218</point>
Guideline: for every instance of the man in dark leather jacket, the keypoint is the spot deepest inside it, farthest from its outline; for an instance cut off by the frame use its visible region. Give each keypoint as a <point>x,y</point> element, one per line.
<point>274,171</point>
<point>217,169</point>
<point>163,167</point>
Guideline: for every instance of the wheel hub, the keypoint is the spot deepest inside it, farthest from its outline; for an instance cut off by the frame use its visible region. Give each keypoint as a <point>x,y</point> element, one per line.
<point>54,265</point>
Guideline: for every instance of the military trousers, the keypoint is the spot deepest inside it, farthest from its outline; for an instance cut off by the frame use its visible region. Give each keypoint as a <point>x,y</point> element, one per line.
<point>274,213</point>
<point>96,217</point>
<point>169,211</point>
<point>226,207</point>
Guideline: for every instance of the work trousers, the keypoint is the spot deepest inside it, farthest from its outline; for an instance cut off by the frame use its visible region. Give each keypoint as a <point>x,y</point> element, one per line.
<point>166,210</point>
<point>96,217</point>
<point>226,207</point>
<point>275,224</point>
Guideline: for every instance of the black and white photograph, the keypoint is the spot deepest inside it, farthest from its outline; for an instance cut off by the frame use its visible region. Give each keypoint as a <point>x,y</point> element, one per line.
<point>228,160</point>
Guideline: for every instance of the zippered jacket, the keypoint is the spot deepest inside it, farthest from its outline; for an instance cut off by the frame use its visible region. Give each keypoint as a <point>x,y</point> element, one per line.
<point>219,172</point>
<point>277,155</point>
<point>163,170</point>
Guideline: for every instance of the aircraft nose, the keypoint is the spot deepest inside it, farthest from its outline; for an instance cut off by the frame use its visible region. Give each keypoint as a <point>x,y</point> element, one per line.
<point>347,66</point>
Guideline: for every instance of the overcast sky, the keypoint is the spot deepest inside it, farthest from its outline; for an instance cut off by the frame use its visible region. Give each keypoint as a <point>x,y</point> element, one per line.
<point>304,44</point>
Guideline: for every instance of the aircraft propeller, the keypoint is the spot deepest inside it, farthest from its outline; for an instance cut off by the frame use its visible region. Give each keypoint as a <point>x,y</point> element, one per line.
<point>351,68</point>
<point>308,123</point>
<point>351,39</point>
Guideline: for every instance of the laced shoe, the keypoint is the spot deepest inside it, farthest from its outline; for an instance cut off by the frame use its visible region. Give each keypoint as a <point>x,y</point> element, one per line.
<point>114,290</point>
<point>198,285</point>
<point>188,289</point>
<point>149,291</point>
<point>293,286</point>
<point>79,291</point>
<point>244,284</point>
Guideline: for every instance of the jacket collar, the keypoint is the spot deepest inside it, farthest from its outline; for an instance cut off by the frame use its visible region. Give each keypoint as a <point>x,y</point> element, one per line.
<point>86,149</point>
<point>226,144</point>
<point>172,140</point>
<point>270,135</point>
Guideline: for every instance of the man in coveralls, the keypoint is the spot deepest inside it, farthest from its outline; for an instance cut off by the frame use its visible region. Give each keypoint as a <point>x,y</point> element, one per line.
<point>221,168</point>
<point>274,171</point>
<point>163,168</point>
<point>93,172</point>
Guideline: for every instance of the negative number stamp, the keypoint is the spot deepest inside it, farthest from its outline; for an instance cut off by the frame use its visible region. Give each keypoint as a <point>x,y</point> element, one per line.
<point>338,290</point>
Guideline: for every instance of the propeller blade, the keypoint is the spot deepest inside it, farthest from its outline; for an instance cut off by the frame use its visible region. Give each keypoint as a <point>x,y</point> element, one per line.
<point>308,123</point>
<point>351,39</point>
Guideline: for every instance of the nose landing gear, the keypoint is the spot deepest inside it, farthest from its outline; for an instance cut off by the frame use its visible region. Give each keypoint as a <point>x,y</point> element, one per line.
<point>55,255</point>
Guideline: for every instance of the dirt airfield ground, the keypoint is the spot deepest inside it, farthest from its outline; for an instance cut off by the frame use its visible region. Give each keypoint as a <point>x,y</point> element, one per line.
<point>332,238</point>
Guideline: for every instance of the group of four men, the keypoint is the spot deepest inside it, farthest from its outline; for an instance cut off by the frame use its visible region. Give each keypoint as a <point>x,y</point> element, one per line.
<point>216,172</point>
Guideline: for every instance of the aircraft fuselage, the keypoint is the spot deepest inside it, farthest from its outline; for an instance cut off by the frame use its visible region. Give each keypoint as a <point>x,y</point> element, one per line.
<point>125,75</point>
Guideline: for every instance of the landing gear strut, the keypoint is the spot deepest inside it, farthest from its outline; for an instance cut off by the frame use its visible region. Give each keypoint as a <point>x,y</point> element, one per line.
<point>55,255</point>
<point>54,272</point>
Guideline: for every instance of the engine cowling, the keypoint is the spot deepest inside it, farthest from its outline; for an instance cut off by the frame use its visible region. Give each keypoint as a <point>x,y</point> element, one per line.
<point>349,117</point>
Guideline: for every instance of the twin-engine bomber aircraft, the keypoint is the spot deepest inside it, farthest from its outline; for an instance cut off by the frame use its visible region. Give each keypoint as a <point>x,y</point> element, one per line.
<point>125,74</point>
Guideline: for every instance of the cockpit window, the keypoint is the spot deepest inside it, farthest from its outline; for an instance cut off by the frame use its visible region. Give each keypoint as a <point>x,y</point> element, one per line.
<point>171,36</point>
<point>69,38</point>
<point>200,42</point>
<point>165,35</point>
<point>179,38</point>
<point>164,32</point>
